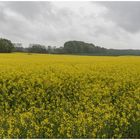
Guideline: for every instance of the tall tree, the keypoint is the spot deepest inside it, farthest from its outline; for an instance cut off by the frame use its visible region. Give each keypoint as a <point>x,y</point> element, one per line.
<point>6,46</point>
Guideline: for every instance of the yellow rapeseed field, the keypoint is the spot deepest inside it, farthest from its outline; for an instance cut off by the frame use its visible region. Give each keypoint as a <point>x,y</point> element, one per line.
<point>67,96</point>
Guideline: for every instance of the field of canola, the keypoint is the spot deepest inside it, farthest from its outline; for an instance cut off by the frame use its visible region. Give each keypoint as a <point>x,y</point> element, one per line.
<point>59,96</point>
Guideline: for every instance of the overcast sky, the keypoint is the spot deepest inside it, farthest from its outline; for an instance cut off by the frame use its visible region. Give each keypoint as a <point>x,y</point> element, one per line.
<point>107,24</point>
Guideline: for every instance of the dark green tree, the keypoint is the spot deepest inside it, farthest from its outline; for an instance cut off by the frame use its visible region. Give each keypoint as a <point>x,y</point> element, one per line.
<point>6,46</point>
<point>79,47</point>
<point>37,48</point>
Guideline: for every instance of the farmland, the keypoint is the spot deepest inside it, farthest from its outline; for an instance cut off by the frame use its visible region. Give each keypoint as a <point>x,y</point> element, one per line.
<point>67,96</point>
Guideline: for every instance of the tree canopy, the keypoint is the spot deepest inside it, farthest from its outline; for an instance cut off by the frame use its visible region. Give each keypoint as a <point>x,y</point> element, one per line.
<point>6,46</point>
<point>37,48</point>
<point>82,47</point>
<point>70,47</point>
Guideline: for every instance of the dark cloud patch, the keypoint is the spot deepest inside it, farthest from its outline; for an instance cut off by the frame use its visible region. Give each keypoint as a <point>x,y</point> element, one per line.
<point>125,14</point>
<point>31,10</point>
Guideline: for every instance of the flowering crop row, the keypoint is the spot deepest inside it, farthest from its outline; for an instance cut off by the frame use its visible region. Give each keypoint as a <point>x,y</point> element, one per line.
<point>52,96</point>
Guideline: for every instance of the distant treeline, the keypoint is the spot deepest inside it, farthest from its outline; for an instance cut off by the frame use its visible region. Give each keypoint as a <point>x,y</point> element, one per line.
<point>70,47</point>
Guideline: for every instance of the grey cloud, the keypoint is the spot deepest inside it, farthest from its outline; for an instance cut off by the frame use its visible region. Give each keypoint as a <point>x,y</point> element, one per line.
<point>28,20</point>
<point>125,13</point>
<point>53,23</point>
<point>31,10</point>
<point>40,20</point>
